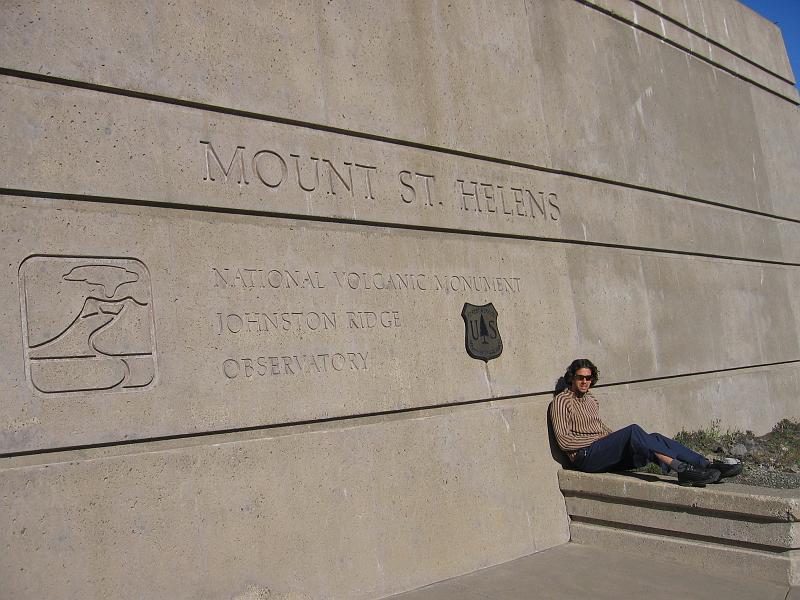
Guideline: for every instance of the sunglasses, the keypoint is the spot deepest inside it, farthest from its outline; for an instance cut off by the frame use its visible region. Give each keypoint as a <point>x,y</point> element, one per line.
<point>583,377</point>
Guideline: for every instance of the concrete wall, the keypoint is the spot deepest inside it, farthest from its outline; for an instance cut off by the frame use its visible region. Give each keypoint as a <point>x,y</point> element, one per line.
<point>238,238</point>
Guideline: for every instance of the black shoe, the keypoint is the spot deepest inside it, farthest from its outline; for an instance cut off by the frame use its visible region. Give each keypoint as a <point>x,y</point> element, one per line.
<point>697,477</point>
<point>725,469</point>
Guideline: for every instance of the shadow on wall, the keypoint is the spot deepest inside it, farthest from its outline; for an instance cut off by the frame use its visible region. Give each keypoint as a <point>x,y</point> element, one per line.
<point>555,451</point>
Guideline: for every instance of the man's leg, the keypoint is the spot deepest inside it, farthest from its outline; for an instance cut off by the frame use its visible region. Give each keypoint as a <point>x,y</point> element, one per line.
<point>677,450</point>
<point>688,456</point>
<point>632,447</point>
<point>659,449</point>
<point>611,453</point>
<point>692,468</point>
<point>669,447</point>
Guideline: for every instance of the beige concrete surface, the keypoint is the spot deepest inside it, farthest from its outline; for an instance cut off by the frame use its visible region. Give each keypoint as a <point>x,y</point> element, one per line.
<point>747,399</point>
<point>650,19</point>
<point>646,301</point>
<point>724,528</point>
<point>778,506</point>
<point>575,571</point>
<point>794,279</point>
<point>327,64</point>
<point>350,65</point>
<point>679,520</point>
<point>130,148</point>
<point>779,154</point>
<point>359,509</point>
<point>725,560</point>
<point>237,240</point>
<point>253,321</point>
<point>597,124</point>
<point>733,26</point>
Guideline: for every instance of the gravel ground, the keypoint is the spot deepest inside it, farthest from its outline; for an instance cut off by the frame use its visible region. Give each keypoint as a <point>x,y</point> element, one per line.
<point>771,460</point>
<point>764,478</point>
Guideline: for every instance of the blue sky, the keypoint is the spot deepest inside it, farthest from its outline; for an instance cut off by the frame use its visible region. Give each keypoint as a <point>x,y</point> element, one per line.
<point>786,13</point>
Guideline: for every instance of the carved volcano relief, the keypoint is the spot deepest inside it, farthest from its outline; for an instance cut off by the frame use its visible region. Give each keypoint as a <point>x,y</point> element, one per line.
<point>87,324</point>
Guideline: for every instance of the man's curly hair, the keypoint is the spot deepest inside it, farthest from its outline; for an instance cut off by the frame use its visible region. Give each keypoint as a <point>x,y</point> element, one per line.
<point>580,363</point>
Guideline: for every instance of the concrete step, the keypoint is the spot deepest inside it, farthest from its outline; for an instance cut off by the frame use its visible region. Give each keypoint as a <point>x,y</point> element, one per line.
<point>725,529</point>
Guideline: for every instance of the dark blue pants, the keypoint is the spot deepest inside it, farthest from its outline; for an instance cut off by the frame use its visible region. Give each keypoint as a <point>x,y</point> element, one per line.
<point>630,448</point>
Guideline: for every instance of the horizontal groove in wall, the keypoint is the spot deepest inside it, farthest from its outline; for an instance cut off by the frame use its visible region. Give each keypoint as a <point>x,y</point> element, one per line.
<point>697,373</point>
<point>710,40</point>
<point>664,507</point>
<point>37,194</point>
<point>680,535</point>
<point>375,137</point>
<point>688,51</point>
<point>348,419</point>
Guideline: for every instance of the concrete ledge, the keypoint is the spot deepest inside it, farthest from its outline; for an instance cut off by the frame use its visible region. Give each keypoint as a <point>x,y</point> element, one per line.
<point>726,528</point>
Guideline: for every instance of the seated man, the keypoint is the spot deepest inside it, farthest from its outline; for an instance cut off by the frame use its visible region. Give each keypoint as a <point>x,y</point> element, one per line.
<point>594,448</point>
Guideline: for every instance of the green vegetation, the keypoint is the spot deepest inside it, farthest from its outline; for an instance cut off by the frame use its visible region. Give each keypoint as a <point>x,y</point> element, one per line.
<point>776,452</point>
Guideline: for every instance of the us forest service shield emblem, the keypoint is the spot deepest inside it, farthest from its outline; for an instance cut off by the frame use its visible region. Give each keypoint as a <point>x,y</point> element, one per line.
<point>481,335</point>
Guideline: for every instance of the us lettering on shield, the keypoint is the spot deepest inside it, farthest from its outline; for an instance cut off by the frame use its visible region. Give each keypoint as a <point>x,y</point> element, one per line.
<point>481,335</point>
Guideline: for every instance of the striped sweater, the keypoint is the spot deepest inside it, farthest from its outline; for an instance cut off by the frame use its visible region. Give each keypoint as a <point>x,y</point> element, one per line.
<point>576,421</point>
